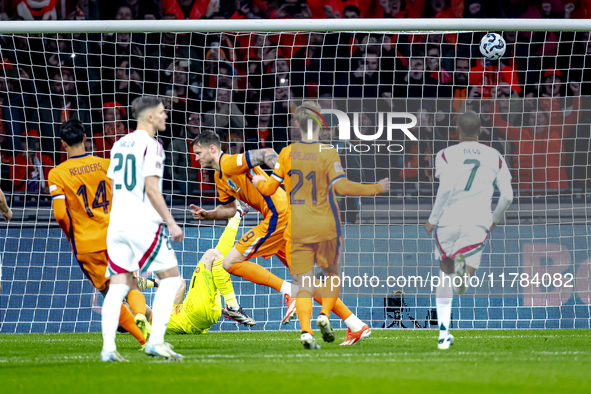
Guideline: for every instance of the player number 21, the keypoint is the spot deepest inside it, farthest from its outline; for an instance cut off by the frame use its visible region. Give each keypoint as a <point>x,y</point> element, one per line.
<point>476,164</point>
<point>310,177</point>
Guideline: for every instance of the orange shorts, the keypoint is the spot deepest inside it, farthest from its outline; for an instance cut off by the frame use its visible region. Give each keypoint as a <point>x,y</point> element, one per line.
<point>301,257</point>
<point>94,266</point>
<point>264,240</point>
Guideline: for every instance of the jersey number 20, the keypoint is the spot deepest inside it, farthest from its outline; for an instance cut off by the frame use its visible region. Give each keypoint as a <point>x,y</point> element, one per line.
<point>129,170</point>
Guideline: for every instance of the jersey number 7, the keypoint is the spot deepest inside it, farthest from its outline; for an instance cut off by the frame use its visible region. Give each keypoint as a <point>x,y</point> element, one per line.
<point>476,164</point>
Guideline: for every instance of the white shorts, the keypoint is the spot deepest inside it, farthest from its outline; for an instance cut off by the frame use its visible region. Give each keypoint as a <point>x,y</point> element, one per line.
<point>130,252</point>
<point>469,240</point>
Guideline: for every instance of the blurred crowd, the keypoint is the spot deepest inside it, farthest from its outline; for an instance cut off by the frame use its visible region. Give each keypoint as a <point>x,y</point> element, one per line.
<point>245,85</point>
<point>290,9</point>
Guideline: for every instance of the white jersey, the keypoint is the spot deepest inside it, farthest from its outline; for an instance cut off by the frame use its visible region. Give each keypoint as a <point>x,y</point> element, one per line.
<point>467,173</point>
<point>133,158</point>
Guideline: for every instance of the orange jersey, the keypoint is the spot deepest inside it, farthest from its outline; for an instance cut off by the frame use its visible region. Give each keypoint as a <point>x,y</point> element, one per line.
<point>309,174</point>
<point>234,182</point>
<point>82,181</point>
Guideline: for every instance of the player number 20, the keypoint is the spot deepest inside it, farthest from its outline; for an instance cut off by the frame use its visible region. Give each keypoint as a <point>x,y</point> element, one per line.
<point>129,169</point>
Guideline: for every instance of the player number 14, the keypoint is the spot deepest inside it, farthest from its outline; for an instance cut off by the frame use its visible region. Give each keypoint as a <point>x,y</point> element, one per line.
<point>100,198</point>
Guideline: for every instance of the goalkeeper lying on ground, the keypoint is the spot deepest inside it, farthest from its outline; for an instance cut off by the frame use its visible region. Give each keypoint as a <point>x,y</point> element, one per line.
<point>202,307</point>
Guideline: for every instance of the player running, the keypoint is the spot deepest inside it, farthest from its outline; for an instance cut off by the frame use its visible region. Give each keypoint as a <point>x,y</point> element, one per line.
<point>135,238</point>
<point>81,194</point>
<point>233,180</point>
<point>467,175</point>
<point>312,172</point>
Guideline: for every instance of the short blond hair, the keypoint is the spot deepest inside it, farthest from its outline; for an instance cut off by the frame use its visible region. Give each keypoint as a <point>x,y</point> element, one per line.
<point>302,114</point>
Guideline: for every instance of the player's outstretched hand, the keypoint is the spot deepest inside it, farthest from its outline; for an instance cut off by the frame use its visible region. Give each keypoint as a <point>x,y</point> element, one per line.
<point>176,234</point>
<point>385,184</point>
<point>7,215</point>
<point>492,227</point>
<point>257,178</point>
<point>429,228</point>
<point>198,212</point>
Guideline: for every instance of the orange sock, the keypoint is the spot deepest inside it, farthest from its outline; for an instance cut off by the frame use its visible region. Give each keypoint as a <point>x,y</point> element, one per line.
<point>256,274</point>
<point>340,309</point>
<point>126,321</point>
<point>330,299</point>
<point>137,302</point>
<point>304,310</point>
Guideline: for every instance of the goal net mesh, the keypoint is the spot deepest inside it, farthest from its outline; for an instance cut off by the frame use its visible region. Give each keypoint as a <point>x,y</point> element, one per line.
<point>532,103</point>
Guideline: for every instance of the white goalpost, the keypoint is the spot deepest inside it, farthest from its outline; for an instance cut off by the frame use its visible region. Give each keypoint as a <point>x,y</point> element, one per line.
<point>242,79</point>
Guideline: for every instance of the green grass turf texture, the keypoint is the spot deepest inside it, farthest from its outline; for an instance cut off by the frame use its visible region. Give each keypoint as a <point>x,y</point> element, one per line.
<point>516,361</point>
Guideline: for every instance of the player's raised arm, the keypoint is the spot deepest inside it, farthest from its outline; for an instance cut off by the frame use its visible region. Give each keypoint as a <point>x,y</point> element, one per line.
<point>259,157</point>
<point>267,186</point>
<point>4,208</point>
<point>243,162</point>
<point>223,211</point>
<point>345,187</point>
<point>281,166</point>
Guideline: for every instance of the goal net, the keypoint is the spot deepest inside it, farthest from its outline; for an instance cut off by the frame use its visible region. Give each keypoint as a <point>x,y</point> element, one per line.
<point>389,103</point>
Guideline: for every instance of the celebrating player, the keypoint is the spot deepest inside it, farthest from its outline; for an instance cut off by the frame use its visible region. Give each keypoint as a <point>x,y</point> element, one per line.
<point>7,215</point>
<point>233,180</point>
<point>135,238</point>
<point>81,194</point>
<point>467,175</point>
<point>313,233</point>
<point>266,239</point>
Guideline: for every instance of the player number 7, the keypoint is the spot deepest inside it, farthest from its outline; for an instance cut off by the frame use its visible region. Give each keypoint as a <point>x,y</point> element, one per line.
<point>476,164</point>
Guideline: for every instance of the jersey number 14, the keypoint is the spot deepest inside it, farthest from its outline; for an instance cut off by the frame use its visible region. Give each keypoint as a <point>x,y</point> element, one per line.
<point>100,198</point>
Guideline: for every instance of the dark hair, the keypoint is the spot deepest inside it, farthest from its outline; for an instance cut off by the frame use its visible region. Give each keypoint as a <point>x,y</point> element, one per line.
<point>352,8</point>
<point>469,123</point>
<point>143,103</point>
<point>125,6</point>
<point>72,132</point>
<point>207,138</point>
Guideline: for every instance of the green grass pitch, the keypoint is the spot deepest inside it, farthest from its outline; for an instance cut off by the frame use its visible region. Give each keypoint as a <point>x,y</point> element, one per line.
<point>516,361</point>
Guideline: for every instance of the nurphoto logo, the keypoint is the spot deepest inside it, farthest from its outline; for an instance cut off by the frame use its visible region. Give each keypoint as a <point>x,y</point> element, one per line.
<point>390,121</point>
